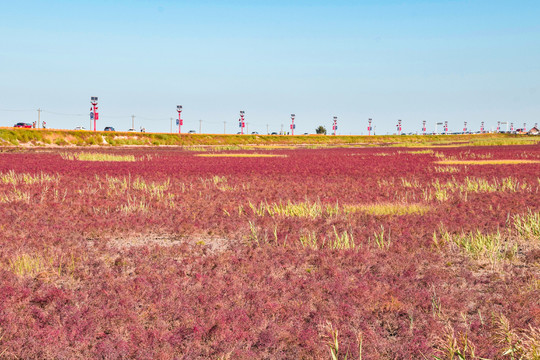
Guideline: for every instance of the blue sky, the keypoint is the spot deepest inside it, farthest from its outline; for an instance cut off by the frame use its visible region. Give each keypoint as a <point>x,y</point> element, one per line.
<point>413,60</point>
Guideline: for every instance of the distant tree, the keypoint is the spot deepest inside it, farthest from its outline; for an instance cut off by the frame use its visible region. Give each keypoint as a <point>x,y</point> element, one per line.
<point>321,130</point>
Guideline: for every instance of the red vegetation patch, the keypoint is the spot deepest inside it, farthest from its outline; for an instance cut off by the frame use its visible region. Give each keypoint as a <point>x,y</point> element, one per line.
<point>164,258</point>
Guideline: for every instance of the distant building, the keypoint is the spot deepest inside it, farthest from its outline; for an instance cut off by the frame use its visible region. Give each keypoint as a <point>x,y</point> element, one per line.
<point>533,131</point>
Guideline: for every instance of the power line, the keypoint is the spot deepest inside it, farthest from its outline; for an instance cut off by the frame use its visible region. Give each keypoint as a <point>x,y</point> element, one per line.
<point>62,114</point>
<point>117,117</point>
<point>12,110</point>
<point>151,119</point>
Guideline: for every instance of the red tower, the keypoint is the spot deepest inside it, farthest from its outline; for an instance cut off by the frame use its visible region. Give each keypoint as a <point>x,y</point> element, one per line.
<point>241,122</point>
<point>94,113</point>
<point>179,122</point>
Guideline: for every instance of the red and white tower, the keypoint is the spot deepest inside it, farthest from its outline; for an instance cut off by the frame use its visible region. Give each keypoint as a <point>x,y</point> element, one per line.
<point>524,127</point>
<point>511,126</point>
<point>241,122</point>
<point>424,127</point>
<point>179,121</point>
<point>292,124</point>
<point>446,127</point>
<point>465,127</point>
<point>498,126</point>
<point>334,127</point>
<point>94,114</point>
<point>369,128</point>
<point>482,127</point>
<point>398,126</point>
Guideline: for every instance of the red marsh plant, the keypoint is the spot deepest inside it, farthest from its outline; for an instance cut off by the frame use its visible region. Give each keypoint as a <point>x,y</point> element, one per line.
<point>164,257</point>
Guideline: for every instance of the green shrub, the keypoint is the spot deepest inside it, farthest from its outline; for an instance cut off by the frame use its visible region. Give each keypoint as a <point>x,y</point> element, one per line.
<point>61,142</point>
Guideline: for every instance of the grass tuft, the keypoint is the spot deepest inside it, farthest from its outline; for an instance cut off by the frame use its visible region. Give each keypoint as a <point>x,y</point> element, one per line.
<point>27,265</point>
<point>417,152</point>
<point>490,247</point>
<point>13,178</point>
<point>343,241</point>
<point>381,240</point>
<point>98,157</point>
<point>388,209</point>
<point>487,162</point>
<point>528,225</point>
<point>316,209</point>
<point>523,344</point>
<point>240,155</point>
<point>446,169</point>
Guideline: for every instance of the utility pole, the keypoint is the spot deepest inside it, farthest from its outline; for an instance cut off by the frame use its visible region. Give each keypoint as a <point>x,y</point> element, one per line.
<point>38,116</point>
<point>281,130</point>
<point>224,127</point>
<point>171,125</point>
<point>200,126</point>
<point>267,133</point>
<point>247,128</point>
<point>133,122</point>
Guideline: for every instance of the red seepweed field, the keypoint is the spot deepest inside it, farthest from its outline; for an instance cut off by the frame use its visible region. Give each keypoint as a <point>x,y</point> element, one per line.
<point>357,253</point>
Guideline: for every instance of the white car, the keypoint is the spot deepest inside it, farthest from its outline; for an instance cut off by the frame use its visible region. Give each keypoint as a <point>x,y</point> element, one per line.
<point>80,128</point>
<point>131,130</point>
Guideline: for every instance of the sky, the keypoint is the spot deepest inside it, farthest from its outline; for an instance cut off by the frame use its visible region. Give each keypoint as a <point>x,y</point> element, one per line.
<point>413,60</point>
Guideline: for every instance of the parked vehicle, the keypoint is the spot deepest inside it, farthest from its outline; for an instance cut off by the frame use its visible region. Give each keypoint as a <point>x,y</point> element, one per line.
<point>109,128</point>
<point>80,128</point>
<point>23,125</point>
<point>254,133</point>
<point>131,130</point>
<point>192,132</point>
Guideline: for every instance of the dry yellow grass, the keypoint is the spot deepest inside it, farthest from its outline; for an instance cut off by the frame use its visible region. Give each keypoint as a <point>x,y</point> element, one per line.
<point>98,157</point>
<point>27,265</point>
<point>416,152</point>
<point>487,162</point>
<point>240,155</point>
<point>316,209</point>
<point>387,209</point>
